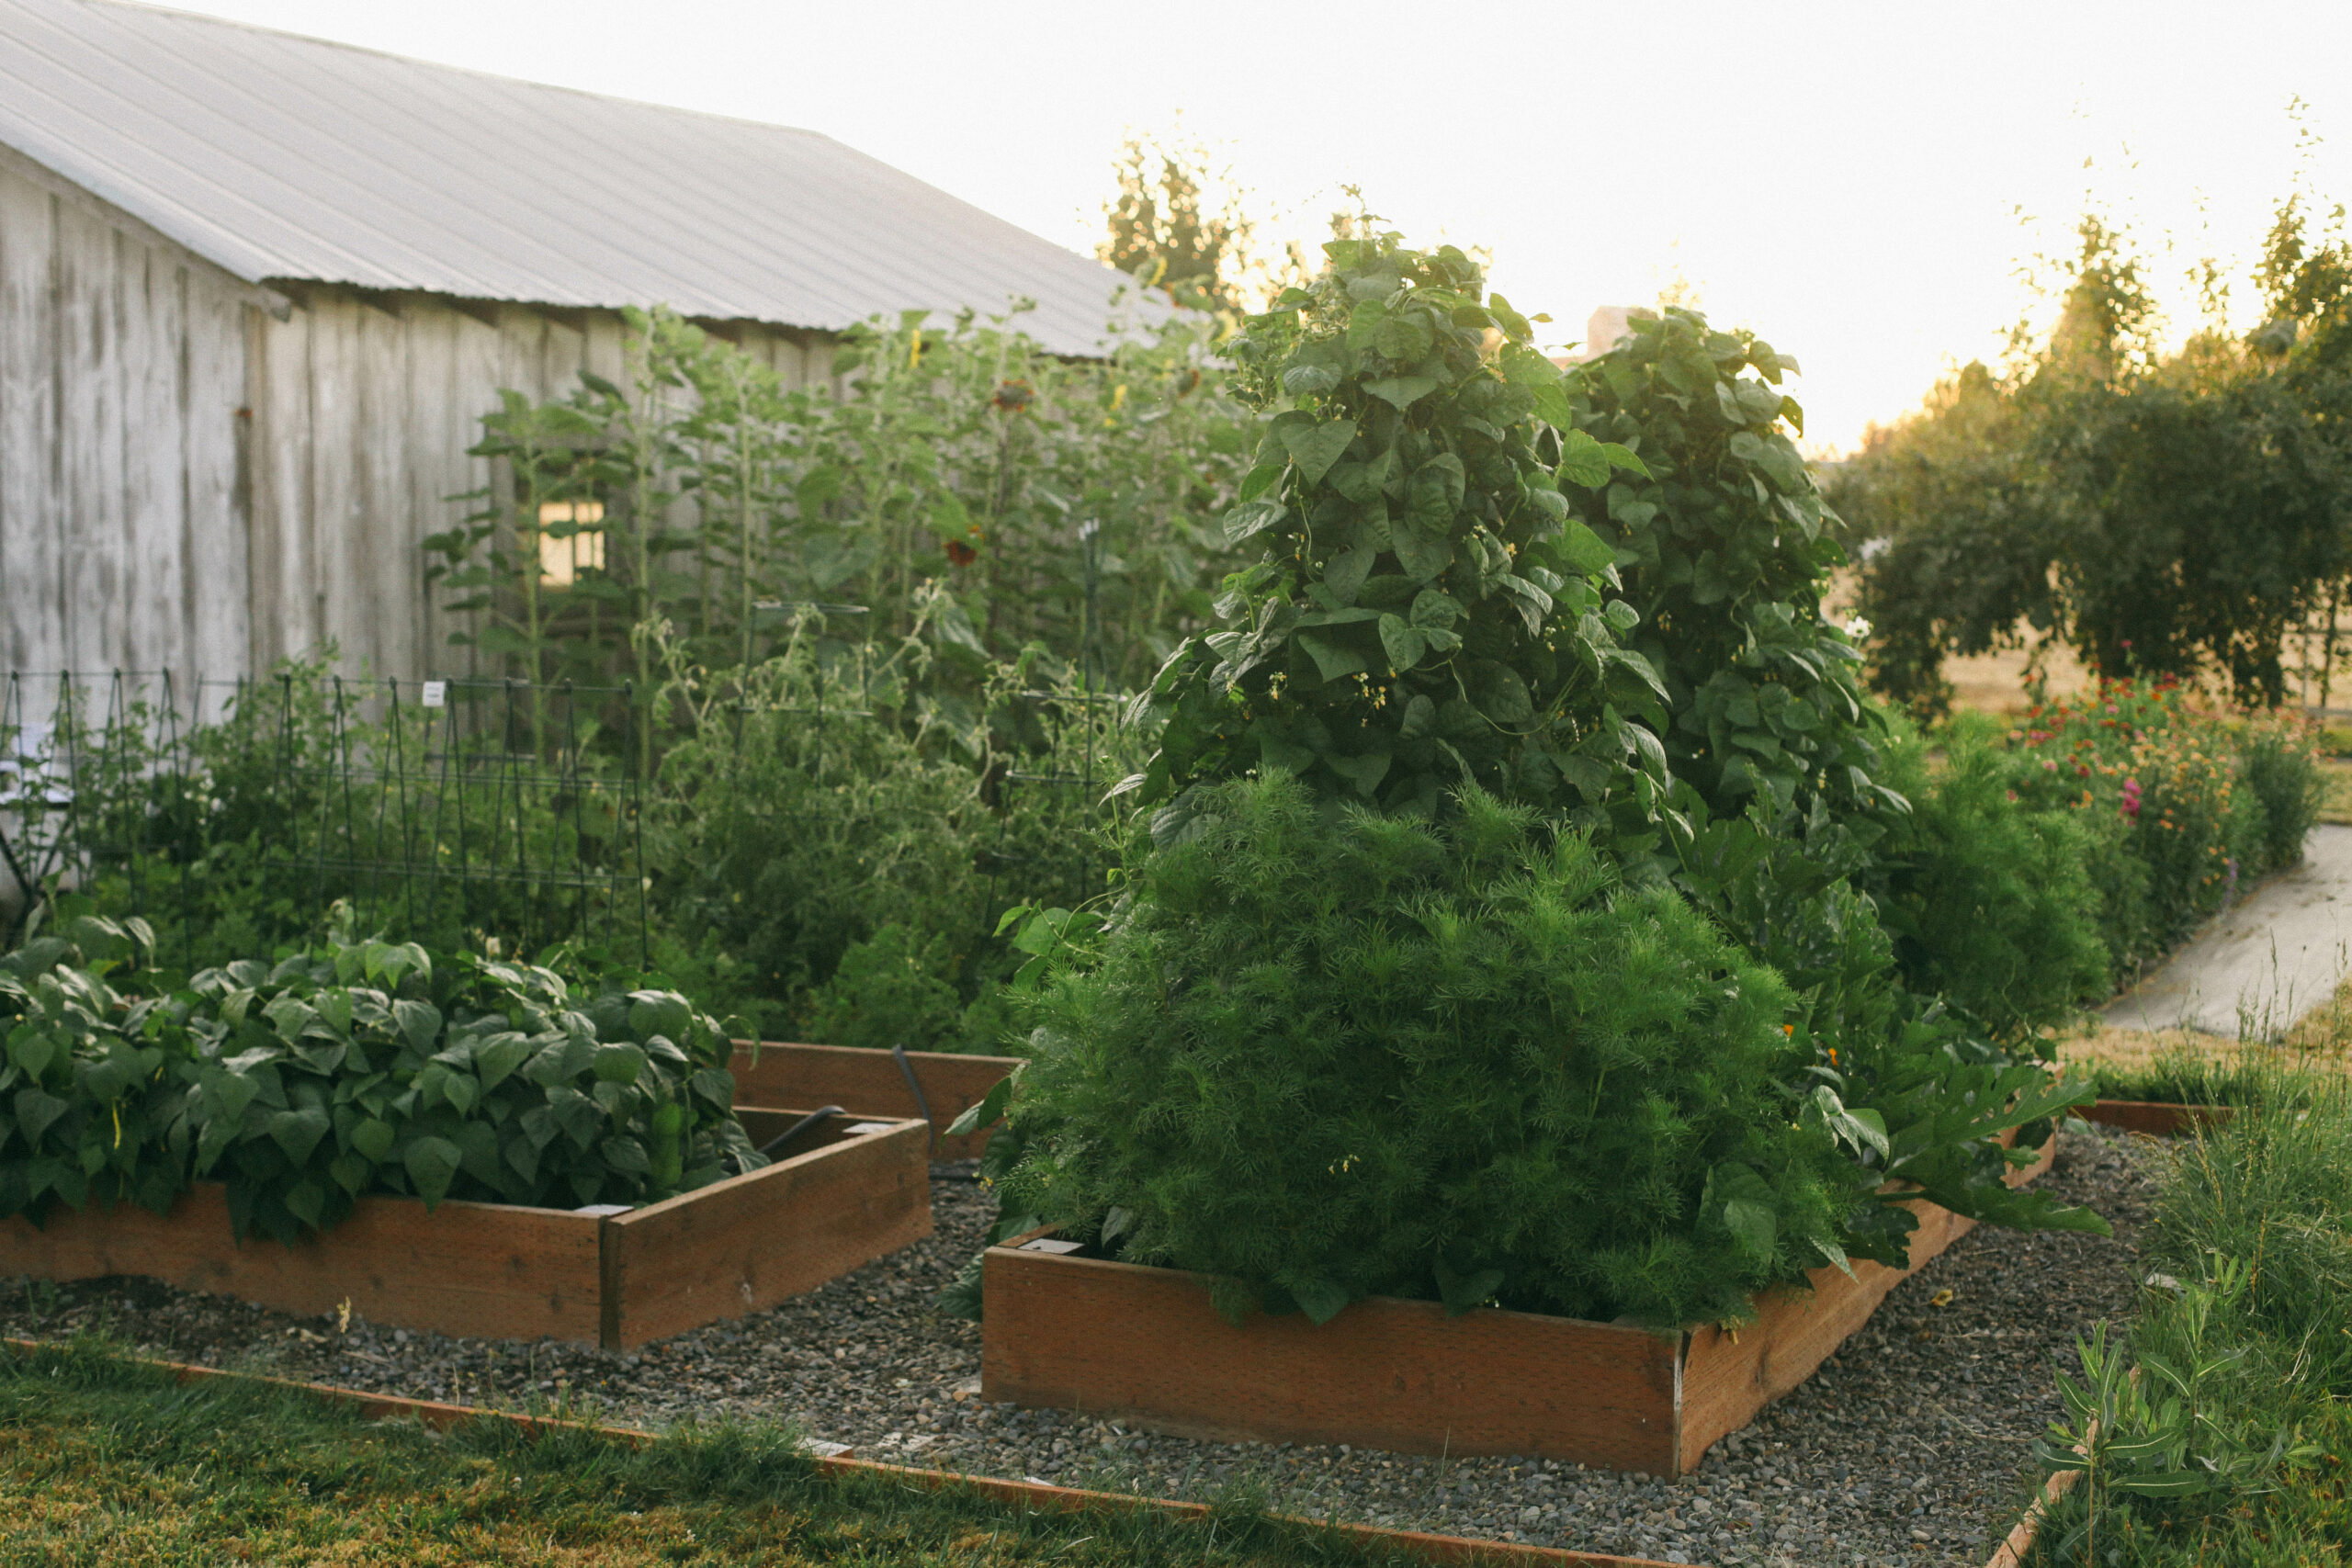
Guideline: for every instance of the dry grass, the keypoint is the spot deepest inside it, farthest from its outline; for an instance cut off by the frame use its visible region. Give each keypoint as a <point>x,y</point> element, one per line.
<point>2320,1041</point>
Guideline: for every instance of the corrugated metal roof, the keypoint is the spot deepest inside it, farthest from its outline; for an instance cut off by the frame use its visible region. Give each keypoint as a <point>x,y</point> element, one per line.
<point>277,156</point>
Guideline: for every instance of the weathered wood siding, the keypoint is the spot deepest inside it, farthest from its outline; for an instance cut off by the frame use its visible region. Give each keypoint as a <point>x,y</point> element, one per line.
<point>364,406</point>
<point>195,476</point>
<point>122,372</point>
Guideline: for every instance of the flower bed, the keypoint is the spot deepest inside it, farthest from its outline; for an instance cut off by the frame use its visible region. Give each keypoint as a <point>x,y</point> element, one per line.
<point>604,1275</point>
<point>1146,1346</point>
<point>868,1082</point>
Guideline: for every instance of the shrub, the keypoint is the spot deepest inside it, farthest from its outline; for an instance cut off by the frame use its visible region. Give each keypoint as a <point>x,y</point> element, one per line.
<point>1378,1058</point>
<point>355,1067</point>
<point>1357,1025</point>
<point>2191,790</point>
<point>829,841</point>
<point>1992,904</point>
<point>2278,760</point>
<point>886,992</point>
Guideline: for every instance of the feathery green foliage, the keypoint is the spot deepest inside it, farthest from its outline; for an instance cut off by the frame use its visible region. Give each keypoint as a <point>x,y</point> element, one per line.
<point>1392,1059</point>
<point>1992,903</point>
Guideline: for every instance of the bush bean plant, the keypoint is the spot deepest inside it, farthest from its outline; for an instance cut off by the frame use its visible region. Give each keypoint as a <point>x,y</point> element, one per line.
<point>352,1067</point>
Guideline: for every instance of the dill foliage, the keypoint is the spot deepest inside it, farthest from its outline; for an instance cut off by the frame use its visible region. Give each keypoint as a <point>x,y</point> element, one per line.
<point>1328,1060</point>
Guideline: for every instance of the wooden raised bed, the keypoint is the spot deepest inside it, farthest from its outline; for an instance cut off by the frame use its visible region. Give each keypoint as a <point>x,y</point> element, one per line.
<point>505,1271</point>
<point>2158,1119</point>
<point>1144,1346</point>
<point>868,1082</point>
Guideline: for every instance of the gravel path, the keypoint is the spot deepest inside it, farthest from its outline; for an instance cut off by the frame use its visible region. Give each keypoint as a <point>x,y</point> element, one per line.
<point>1910,1448</point>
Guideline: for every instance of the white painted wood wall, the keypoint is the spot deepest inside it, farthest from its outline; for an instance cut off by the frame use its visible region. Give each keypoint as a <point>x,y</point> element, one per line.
<point>200,475</point>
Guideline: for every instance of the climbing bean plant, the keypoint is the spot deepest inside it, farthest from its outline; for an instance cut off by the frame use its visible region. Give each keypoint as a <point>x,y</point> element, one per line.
<point>1426,611</point>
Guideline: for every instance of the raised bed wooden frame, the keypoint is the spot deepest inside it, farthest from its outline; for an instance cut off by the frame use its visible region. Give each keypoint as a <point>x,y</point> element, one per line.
<point>2157,1117</point>
<point>505,1271</point>
<point>1144,1346</point>
<point>868,1082</point>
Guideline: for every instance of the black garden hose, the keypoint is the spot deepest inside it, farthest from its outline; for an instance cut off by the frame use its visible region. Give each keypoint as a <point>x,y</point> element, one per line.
<point>923,1106</point>
<point>768,1149</point>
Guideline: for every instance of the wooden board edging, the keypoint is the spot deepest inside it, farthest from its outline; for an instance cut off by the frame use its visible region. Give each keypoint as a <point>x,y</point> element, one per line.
<point>867,1082</point>
<point>441,1417</point>
<point>509,1271</point>
<point>743,1245</point>
<point>2156,1118</point>
<point>1145,1346</point>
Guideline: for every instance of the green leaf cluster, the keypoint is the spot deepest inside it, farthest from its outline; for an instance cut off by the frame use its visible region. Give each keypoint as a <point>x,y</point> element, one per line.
<point>1725,546</point>
<point>351,1068</point>
<point>1426,613</point>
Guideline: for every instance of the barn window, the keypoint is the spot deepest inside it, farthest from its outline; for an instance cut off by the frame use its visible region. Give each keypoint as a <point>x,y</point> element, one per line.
<point>572,541</point>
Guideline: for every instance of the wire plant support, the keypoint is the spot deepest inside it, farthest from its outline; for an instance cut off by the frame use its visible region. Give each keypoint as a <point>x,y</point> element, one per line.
<point>461,811</point>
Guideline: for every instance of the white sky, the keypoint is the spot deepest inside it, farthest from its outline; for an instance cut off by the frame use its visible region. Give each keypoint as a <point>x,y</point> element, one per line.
<point>1844,179</point>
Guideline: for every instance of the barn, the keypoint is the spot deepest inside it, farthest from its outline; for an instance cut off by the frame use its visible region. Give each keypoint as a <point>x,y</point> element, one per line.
<point>257,289</point>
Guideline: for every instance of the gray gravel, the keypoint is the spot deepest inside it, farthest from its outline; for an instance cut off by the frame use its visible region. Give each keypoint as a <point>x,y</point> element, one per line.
<point>1910,1447</point>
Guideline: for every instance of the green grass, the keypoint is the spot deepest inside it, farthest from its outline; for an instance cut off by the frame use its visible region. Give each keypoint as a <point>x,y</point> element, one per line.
<point>2179,1075</point>
<point>103,1460</point>
<point>2255,1223</point>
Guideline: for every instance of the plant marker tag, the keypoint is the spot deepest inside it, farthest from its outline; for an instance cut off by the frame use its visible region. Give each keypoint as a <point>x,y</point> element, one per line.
<point>1052,1244</point>
<point>436,694</point>
<point>856,1127</point>
<point>602,1211</point>
<point>818,1449</point>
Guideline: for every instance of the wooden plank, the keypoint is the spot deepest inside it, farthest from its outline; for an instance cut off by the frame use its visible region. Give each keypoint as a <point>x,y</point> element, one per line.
<point>1729,1375</point>
<point>334,375</point>
<point>89,438</point>
<point>150,313</point>
<point>2157,1119</point>
<point>747,1243</point>
<point>214,541</point>
<point>868,1081</point>
<point>282,549</point>
<point>475,374</point>
<point>380,628</point>
<point>1145,1346</point>
<point>498,1271</point>
<point>32,545</point>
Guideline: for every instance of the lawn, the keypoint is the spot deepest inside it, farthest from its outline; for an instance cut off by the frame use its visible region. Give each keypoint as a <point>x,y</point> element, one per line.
<point>104,1460</point>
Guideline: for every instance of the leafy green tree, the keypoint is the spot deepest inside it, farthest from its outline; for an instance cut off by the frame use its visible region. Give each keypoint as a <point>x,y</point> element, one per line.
<point>2166,514</point>
<point>1164,230</point>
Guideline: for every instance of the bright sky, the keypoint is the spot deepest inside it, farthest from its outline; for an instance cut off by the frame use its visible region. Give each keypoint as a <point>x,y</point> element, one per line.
<point>1844,179</point>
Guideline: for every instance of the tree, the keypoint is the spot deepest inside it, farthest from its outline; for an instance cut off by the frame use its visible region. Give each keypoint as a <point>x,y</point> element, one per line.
<point>1181,225</point>
<point>2165,513</point>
